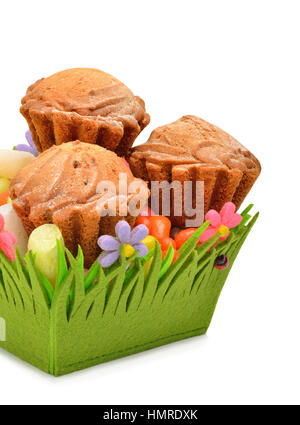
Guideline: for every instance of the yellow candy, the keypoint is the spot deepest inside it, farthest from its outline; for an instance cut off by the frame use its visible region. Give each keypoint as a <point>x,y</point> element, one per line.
<point>147,267</point>
<point>11,162</point>
<point>149,241</point>
<point>4,184</point>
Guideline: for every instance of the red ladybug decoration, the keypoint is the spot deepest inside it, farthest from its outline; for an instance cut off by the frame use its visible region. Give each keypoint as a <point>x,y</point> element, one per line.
<point>222,262</point>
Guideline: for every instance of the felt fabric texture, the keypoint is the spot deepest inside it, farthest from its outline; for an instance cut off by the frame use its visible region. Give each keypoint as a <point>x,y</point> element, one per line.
<point>111,313</point>
<point>25,308</point>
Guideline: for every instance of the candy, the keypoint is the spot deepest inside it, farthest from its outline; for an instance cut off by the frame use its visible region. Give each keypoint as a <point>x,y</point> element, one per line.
<point>43,243</point>
<point>11,162</point>
<point>165,243</point>
<point>148,267</point>
<point>149,241</point>
<point>183,236</point>
<point>143,220</point>
<point>175,257</point>
<point>4,184</point>
<point>174,232</point>
<point>144,217</point>
<point>14,225</point>
<point>160,227</point>
<point>4,192</point>
<point>4,198</point>
<point>7,241</point>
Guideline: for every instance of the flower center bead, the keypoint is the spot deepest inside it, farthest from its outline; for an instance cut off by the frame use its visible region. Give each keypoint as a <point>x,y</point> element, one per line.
<point>223,230</point>
<point>128,250</point>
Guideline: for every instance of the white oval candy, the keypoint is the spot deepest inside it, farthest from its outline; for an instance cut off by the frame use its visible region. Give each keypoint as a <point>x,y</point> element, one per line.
<point>11,162</point>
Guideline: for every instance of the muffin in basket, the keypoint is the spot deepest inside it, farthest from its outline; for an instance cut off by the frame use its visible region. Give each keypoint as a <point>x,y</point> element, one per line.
<point>61,186</point>
<point>191,149</point>
<point>84,104</point>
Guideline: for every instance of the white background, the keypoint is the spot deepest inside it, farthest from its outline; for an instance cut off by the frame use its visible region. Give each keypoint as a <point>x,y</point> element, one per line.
<point>236,64</point>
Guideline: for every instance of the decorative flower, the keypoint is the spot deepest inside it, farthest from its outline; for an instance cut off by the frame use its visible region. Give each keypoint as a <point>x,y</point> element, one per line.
<point>31,148</point>
<point>7,240</point>
<point>130,239</point>
<point>222,223</point>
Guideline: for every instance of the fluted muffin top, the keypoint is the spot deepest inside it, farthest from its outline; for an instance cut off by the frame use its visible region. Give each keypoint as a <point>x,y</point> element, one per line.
<point>86,91</point>
<point>67,175</point>
<point>191,140</point>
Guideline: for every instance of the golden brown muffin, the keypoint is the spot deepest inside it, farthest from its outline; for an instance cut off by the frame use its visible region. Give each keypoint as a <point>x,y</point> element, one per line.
<point>85,104</point>
<point>192,149</point>
<point>60,187</point>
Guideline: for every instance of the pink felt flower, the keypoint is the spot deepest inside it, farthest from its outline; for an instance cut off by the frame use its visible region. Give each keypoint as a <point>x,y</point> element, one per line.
<point>7,240</point>
<point>222,223</point>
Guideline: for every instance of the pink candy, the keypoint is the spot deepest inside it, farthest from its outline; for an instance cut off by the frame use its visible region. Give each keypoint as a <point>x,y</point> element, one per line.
<point>7,240</point>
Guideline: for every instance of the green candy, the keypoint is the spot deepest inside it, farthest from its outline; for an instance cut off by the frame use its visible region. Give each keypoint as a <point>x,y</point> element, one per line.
<point>43,244</point>
<point>4,184</point>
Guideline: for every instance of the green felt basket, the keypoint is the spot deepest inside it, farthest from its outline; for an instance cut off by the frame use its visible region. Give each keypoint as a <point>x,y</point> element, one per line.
<point>110,313</point>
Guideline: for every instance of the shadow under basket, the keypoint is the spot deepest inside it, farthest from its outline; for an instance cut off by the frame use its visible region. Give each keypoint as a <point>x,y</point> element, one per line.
<point>110,313</point>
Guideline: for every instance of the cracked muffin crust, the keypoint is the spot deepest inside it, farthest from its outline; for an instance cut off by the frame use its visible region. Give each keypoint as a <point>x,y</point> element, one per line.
<point>191,149</point>
<point>85,104</point>
<point>60,187</point>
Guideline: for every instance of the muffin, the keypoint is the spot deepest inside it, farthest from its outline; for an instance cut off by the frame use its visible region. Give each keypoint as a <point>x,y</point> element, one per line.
<point>84,104</point>
<point>60,187</point>
<point>191,149</point>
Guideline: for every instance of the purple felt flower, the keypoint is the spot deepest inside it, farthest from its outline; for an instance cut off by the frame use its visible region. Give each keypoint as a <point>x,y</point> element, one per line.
<point>132,241</point>
<point>31,146</point>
